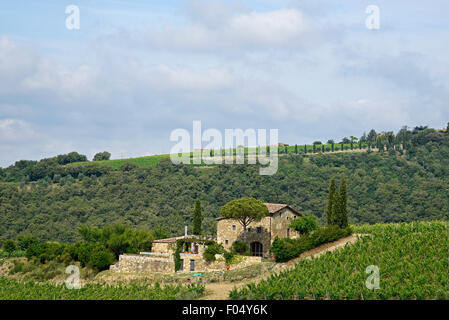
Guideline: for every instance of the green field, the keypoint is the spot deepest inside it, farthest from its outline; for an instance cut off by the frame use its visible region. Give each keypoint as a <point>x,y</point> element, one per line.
<point>412,260</point>
<point>12,289</point>
<point>152,161</point>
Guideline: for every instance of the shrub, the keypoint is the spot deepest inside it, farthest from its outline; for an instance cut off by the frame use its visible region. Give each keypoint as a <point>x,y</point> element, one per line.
<point>287,249</point>
<point>212,250</point>
<point>100,259</point>
<point>229,256</point>
<point>9,246</point>
<point>241,248</point>
<point>305,224</point>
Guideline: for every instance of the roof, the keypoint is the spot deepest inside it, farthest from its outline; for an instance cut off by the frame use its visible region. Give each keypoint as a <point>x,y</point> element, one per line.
<point>173,239</point>
<point>272,209</point>
<point>168,240</point>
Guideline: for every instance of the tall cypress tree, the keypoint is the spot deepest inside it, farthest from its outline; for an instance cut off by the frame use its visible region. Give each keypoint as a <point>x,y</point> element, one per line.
<point>330,200</point>
<point>197,218</point>
<point>336,209</point>
<point>343,221</point>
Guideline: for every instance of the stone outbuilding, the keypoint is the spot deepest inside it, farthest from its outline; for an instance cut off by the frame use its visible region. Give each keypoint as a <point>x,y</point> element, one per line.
<point>260,235</point>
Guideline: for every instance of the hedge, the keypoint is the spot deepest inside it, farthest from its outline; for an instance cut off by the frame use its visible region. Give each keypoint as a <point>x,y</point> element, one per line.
<point>287,249</point>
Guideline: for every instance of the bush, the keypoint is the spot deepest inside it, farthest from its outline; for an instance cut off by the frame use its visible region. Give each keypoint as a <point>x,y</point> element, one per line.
<point>229,257</point>
<point>240,247</point>
<point>100,259</point>
<point>287,249</point>
<point>212,250</point>
<point>9,246</point>
<point>305,224</point>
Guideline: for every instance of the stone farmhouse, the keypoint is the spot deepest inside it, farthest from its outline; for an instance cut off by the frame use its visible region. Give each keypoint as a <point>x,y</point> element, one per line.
<point>260,236</point>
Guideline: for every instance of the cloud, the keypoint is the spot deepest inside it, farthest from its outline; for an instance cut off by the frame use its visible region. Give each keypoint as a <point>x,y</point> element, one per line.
<point>14,130</point>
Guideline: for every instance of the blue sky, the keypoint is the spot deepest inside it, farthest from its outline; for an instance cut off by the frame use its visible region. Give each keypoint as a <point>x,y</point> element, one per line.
<point>136,70</point>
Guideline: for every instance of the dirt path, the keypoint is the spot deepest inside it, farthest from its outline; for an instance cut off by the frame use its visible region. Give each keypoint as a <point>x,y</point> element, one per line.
<point>220,290</point>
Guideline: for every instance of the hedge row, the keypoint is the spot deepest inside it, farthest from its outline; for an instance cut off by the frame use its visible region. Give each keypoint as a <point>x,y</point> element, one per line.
<point>287,249</point>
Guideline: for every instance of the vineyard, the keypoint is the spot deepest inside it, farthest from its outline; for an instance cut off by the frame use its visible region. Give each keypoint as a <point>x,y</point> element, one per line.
<point>412,261</point>
<point>12,289</point>
<point>152,161</point>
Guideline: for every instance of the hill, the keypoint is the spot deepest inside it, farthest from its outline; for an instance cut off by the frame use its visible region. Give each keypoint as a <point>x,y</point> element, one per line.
<point>391,186</point>
<point>411,259</point>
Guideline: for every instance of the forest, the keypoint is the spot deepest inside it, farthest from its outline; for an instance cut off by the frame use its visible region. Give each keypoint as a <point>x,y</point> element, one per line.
<point>407,180</point>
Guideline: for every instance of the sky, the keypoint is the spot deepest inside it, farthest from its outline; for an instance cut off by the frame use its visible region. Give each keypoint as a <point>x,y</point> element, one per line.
<point>135,71</point>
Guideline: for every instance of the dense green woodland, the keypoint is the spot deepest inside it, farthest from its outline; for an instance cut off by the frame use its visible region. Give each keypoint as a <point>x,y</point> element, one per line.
<point>390,186</point>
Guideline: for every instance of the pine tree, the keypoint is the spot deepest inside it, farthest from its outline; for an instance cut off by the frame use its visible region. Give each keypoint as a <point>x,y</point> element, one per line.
<point>343,221</point>
<point>197,218</point>
<point>330,199</point>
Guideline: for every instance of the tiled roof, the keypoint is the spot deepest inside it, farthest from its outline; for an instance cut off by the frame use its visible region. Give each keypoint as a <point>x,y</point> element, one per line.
<point>168,240</point>
<point>272,208</point>
<point>275,207</point>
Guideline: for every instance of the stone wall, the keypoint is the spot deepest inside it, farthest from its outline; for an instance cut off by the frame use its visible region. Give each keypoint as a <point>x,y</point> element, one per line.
<point>276,225</point>
<point>229,231</point>
<point>280,224</point>
<point>144,263</point>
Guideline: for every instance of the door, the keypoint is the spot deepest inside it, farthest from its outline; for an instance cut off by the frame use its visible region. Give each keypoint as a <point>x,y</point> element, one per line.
<point>181,267</point>
<point>256,249</point>
<point>192,265</point>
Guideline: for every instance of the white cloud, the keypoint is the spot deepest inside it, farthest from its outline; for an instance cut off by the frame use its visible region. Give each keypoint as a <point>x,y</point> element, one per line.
<point>14,130</point>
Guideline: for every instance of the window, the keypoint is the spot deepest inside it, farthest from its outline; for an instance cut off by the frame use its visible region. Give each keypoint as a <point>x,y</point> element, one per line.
<point>233,227</point>
<point>288,232</point>
<point>259,229</point>
<point>226,241</point>
<point>249,229</point>
<point>192,265</point>
<point>195,248</point>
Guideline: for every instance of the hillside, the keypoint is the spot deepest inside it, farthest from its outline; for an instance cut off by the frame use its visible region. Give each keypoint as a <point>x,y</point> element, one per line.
<point>412,262</point>
<point>385,186</point>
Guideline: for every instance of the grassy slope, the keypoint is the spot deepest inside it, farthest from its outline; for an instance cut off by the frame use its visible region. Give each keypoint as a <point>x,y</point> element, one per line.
<point>152,161</point>
<point>412,260</point>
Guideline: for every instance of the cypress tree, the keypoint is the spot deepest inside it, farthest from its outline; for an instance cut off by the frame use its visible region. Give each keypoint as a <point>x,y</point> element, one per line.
<point>330,199</point>
<point>197,218</point>
<point>336,209</point>
<point>343,221</point>
<point>305,148</point>
<point>296,148</point>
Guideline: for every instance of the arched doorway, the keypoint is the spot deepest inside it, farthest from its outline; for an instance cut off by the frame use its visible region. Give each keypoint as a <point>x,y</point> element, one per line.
<point>256,249</point>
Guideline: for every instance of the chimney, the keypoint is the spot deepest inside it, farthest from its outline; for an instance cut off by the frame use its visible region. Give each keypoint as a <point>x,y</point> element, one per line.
<point>185,231</point>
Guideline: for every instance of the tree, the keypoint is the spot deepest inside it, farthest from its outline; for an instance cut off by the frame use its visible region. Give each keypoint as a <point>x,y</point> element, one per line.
<point>9,246</point>
<point>330,141</point>
<point>336,209</point>
<point>197,218</point>
<point>330,199</point>
<point>305,224</point>
<point>102,156</point>
<point>245,211</point>
<point>296,148</point>
<point>372,136</point>
<point>343,221</point>
<point>345,140</point>
<point>339,215</point>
